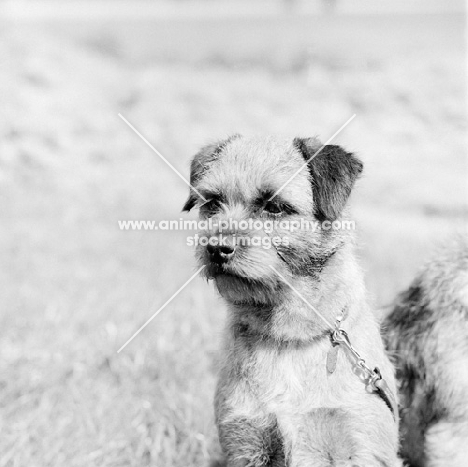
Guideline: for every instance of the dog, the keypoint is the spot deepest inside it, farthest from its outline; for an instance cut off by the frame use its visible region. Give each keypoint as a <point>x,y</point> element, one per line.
<point>427,334</point>
<point>290,393</point>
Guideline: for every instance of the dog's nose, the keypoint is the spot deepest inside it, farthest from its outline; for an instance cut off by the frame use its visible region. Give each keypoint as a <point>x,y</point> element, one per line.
<point>221,253</point>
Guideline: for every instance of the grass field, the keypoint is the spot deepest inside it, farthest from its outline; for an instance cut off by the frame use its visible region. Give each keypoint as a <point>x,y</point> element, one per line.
<point>74,287</point>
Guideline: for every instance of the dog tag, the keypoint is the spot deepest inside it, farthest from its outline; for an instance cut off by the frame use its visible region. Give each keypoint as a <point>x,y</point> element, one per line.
<point>332,357</point>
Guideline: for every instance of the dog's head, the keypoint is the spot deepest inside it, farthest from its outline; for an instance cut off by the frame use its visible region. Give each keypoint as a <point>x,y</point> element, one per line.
<point>268,202</point>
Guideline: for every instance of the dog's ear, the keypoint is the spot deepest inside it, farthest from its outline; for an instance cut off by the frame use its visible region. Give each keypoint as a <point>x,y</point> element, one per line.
<point>200,164</point>
<point>333,172</point>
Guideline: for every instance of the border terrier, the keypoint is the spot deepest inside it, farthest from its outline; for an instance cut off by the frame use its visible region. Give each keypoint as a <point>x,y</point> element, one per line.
<point>289,393</point>
<point>427,333</point>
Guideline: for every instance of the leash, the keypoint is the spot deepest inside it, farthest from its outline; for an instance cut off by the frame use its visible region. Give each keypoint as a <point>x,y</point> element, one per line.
<point>375,383</point>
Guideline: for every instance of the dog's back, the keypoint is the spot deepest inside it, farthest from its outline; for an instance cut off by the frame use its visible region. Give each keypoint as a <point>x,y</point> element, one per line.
<point>427,335</point>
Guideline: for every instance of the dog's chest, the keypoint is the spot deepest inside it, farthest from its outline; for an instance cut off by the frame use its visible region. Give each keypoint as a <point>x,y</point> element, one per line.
<point>295,387</point>
<point>296,380</point>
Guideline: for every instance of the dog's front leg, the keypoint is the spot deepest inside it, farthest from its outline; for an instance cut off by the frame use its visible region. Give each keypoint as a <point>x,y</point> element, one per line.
<point>252,442</point>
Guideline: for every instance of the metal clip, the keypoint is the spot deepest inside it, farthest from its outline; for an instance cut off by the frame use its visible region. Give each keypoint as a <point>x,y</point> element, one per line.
<point>376,376</point>
<point>339,336</point>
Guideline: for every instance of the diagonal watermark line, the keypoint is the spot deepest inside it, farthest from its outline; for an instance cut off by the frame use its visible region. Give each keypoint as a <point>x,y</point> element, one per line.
<point>161,156</point>
<point>303,299</point>
<point>315,154</point>
<point>160,309</point>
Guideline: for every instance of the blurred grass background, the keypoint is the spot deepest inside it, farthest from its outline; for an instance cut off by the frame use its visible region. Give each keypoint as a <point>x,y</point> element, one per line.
<point>74,287</point>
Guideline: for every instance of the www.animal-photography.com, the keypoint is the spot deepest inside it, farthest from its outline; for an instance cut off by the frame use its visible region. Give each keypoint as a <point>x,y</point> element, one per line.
<point>234,234</point>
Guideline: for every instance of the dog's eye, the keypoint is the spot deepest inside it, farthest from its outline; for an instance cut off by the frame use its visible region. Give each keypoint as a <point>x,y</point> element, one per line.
<point>273,208</point>
<point>210,207</point>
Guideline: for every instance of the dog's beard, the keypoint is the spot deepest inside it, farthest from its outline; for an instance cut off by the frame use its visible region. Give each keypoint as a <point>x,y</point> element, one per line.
<point>245,291</point>
<point>249,278</point>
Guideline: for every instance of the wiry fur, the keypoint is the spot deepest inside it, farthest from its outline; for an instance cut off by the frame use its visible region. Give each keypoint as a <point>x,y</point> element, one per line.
<point>427,333</point>
<point>276,405</point>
